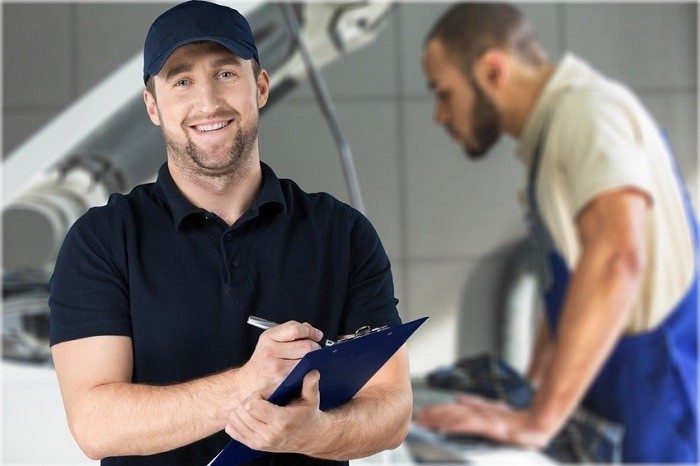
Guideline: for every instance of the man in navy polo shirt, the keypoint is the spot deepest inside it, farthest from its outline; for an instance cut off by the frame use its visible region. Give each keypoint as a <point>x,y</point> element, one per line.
<point>151,293</point>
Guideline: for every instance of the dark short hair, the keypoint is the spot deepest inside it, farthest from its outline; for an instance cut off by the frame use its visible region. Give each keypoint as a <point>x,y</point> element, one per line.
<point>468,30</point>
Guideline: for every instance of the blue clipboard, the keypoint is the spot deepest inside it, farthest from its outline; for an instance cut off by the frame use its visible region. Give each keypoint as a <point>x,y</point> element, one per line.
<point>345,368</point>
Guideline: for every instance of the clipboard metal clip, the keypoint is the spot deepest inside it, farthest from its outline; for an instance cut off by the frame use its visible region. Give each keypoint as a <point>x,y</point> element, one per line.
<point>361,332</point>
<point>265,324</point>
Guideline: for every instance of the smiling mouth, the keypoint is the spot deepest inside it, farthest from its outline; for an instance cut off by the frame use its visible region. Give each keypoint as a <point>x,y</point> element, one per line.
<point>211,127</point>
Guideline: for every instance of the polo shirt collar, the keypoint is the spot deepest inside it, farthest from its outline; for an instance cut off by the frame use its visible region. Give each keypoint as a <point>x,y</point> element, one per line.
<point>181,208</point>
<point>271,192</point>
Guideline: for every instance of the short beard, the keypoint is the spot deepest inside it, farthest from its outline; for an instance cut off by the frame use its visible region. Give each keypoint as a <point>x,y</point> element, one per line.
<point>487,123</point>
<point>193,161</point>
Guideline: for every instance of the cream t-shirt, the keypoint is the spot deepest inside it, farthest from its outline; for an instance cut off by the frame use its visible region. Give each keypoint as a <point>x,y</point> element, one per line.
<point>600,138</point>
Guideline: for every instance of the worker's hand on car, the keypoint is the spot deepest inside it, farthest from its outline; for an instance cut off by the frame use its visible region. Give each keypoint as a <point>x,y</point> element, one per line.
<point>472,415</point>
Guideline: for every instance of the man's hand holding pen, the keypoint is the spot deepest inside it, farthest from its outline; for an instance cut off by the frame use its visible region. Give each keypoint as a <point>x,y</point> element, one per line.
<point>278,350</point>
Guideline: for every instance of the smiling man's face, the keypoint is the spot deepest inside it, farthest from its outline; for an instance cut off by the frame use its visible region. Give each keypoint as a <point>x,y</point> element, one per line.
<point>207,104</point>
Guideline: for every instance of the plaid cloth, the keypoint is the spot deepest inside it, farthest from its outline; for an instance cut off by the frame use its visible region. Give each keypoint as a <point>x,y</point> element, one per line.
<point>585,438</point>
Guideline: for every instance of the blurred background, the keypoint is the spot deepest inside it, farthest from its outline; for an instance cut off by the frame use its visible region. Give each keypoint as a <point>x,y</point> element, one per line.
<point>453,228</point>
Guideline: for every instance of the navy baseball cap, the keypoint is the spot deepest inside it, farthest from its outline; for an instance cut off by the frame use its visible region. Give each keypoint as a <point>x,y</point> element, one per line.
<point>193,21</point>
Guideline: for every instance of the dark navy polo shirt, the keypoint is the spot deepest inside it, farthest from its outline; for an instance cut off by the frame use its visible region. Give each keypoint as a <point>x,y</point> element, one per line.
<point>181,283</point>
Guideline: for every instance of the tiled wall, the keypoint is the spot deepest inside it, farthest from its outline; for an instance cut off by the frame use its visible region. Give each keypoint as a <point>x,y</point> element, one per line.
<point>445,221</point>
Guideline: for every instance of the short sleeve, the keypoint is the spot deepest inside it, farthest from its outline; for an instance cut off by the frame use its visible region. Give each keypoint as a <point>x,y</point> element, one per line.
<point>88,291</point>
<point>599,147</point>
<point>370,293</point>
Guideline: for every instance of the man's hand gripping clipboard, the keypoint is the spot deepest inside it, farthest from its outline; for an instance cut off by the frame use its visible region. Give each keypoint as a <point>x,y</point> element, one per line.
<point>345,367</point>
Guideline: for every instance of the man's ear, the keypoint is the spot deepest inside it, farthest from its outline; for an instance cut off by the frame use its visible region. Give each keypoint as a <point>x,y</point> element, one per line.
<point>263,85</point>
<point>151,107</point>
<point>492,70</point>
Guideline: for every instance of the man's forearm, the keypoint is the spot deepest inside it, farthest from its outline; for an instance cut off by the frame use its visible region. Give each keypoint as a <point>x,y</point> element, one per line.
<point>541,354</point>
<point>117,419</point>
<point>599,299</point>
<point>375,420</point>
<point>110,416</point>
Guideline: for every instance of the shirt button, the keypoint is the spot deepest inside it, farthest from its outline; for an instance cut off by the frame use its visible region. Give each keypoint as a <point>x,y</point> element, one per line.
<point>228,237</point>
<point>234,264</point>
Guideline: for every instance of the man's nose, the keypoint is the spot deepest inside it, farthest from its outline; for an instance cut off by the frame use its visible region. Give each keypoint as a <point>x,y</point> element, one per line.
<point>208,99</point>
<point>440,116</point>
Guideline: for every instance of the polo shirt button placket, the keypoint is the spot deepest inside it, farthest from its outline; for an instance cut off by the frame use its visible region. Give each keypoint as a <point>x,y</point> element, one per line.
<point>228,238</point>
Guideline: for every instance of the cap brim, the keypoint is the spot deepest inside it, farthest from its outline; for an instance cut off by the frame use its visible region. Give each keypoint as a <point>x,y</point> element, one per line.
<point>235,48</point>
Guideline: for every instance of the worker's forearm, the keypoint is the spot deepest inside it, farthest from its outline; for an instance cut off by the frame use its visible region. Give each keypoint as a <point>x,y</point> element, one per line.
<point>600,296</point>
<point>377,419</point>
<point>541,354</point>
<point>118,419</point>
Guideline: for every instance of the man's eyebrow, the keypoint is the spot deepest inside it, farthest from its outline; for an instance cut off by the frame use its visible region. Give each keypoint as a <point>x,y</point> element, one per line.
<point>185,67</point>
<point>178,69</point>
<point>228,60</point>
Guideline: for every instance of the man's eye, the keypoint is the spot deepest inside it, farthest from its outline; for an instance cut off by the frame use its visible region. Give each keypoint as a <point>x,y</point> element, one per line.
<point>227,74</point>
<point>180,83</point>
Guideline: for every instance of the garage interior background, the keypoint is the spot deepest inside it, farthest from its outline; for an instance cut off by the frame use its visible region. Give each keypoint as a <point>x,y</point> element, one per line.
<point>448,224</point>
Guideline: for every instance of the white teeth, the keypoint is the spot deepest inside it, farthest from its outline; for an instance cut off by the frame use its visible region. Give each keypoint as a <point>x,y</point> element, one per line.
<point>212,127</point>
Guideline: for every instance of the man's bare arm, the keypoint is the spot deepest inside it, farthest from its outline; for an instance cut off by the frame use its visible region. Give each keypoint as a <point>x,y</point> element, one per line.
<point>599,299</point>
<point>602,290</point>
<point>542,352</point>
<point>110,416</point>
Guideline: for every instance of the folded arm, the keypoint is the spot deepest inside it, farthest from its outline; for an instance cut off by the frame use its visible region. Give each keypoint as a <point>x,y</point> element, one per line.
<point>110,416</point>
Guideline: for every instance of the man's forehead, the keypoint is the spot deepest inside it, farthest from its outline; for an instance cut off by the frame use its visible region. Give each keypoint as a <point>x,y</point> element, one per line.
<point>434,64</point>
<point>441,63</point>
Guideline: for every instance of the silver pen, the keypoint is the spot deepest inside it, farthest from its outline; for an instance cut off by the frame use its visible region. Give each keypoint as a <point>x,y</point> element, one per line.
<point>265,324</point>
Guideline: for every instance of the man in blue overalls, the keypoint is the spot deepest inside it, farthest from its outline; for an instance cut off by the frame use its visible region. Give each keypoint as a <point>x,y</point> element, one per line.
<point>613,225</point>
